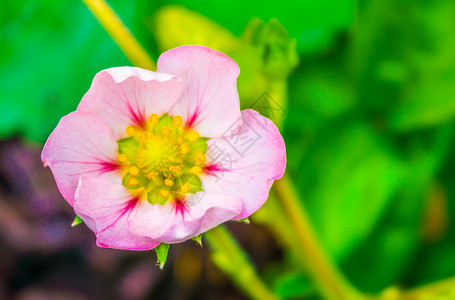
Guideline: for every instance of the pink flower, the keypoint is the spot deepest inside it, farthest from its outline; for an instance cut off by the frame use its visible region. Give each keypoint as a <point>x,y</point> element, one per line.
<point>161,157</point>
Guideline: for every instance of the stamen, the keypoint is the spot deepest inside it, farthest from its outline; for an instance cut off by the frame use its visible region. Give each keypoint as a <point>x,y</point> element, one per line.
<point>140,190</point>
<point>152,175</point>
<point>177,121</point>
<point>164,193</point>
<point>123,158</point>
<point>200,157</point>
<point>192,136</point>
<point>168,182</point>
<point>133,181</point>
<point>154,119</point>
<point>142,137</point>
<point>185,188</point>
<point>195,170</point>
<point>185,148</point>
<point>131,130</point>
<point>134,170</point>
<point>166,130</point>
<point>180,140</point>
<point>175,169</point>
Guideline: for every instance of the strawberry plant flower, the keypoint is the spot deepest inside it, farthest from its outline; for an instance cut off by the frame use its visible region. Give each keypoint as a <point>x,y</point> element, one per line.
<point>161,157</point>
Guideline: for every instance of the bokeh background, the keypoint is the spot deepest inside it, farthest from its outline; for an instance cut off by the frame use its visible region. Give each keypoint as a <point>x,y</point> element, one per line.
<point>364,92</point>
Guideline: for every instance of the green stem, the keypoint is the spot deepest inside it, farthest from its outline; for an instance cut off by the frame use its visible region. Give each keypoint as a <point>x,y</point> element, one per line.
<point>229,257</point>
<point>323,271</point>
<point>436,290</point>
<point>120,34</point>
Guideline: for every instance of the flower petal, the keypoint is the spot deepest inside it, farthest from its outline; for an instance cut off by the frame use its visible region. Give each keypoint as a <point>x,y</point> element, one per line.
<point>209,100</point>
<point>246,162</point>
<point>174,223</point>
<point>125,96</point>
<point>81,145</point>
<point>106,208</point>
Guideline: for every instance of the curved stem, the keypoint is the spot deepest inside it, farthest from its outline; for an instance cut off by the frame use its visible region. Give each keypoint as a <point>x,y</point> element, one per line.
<point>120,34</point>
<point>431,291</point>
<point>230,258</point>
<point>324,272</point>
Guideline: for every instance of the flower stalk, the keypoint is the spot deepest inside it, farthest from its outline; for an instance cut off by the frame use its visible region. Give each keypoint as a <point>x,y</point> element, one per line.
<point>120,34</point>
<point>443,288</point>
<point>325,274</point>
<point>229,257</point>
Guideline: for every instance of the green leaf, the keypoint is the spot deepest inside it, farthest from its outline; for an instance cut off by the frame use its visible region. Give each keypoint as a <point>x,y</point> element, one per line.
<point>51,51</point>
<point>389,250</point>
<point>320,91</point>
<point>77,220</point>
<point>161,253</point>
<point>386,253</point>
<point>175,26</point>
<point>347,176</point>
<point>435,260</point>
<point>294,285</point>
<point>412,75</point>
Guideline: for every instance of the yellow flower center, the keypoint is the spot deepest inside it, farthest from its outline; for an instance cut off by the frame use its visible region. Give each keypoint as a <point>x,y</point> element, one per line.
<point>162,160</point>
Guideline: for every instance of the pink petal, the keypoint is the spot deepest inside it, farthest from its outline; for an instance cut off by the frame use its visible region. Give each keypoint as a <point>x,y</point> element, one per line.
<point>209,101</point>
<point>246,163</point>
<point>125,96</point>
<point>81,145</point>
<point>106,208</point>
<point>174,223</point>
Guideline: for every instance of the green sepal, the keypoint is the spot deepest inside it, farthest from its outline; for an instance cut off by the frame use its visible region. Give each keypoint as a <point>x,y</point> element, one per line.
<point>244,220</point>
<point>161,254</point>
<point>198,239</point>
<point>77,220</point>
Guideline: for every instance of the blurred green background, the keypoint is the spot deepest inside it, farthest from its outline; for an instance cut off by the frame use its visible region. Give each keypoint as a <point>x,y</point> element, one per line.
<point>364,92</point>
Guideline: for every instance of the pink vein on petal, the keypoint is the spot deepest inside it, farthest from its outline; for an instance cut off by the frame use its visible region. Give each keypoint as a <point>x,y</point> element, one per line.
<point>135,118</point>
<point>129,206</point>
<point>138,119</point>
<point>180,207</point>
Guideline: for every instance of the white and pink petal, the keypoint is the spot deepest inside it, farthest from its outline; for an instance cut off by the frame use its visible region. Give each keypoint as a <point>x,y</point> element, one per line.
<point>245,162</point>
<point>176,222</point>
<point>81,145</point>
<point>107,208</point>
<point>209,101</point>
<point>124,96</point>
